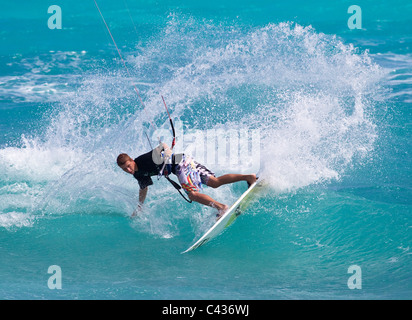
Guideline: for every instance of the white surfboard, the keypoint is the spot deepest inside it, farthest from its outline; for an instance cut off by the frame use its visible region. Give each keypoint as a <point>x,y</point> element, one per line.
<point>230,215</point>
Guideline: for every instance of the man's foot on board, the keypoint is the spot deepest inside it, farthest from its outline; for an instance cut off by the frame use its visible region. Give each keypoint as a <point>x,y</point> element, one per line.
<point>251,180</point>
<point>221,212</point>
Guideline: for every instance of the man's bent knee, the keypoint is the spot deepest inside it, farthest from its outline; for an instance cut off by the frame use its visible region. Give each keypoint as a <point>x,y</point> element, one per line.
<point>213,182</point>
<point>192,195</point>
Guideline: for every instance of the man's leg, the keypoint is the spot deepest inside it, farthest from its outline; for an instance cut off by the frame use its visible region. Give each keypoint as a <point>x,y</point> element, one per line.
<point>230,178</point>
<point>208,201</point>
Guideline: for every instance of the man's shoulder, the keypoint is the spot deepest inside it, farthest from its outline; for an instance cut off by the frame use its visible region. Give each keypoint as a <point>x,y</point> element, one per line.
<point>144,157</point>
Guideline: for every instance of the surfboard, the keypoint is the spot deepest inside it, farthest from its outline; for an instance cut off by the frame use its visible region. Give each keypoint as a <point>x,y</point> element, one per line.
<point>229,216</point>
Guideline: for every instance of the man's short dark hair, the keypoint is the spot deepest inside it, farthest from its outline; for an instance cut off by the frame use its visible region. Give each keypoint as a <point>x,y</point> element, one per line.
<point>122,159</point>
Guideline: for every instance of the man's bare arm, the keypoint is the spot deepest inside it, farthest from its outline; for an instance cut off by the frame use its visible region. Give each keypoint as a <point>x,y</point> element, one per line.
<point>142,195</point>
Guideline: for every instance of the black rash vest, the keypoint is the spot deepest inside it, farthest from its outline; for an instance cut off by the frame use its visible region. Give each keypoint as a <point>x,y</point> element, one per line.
<point>145,169</point>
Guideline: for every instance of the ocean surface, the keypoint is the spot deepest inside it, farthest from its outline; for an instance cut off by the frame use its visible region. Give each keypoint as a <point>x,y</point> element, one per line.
<point>286,89</point>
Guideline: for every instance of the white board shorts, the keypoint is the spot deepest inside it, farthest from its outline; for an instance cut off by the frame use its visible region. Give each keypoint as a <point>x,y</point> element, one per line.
<point>192,174</point>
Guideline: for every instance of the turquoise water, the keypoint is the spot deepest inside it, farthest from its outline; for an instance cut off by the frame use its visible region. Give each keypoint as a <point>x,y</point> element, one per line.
<point>331,107</point>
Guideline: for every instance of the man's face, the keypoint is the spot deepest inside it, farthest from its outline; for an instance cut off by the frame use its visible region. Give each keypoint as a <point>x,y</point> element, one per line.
<point>129,166</point>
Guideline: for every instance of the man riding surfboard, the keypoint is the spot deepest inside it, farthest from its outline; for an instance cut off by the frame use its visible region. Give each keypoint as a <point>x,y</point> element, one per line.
<point>191,174</point>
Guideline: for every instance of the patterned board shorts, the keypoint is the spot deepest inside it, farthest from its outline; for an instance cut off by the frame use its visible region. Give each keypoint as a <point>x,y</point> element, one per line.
<point>192,174</point>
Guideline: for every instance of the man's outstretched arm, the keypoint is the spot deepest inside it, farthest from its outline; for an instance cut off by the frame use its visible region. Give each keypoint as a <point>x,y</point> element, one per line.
<point>142,195</point>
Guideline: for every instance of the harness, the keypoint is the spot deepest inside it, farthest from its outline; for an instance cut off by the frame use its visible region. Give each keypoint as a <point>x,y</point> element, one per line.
<point>172,168</point>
